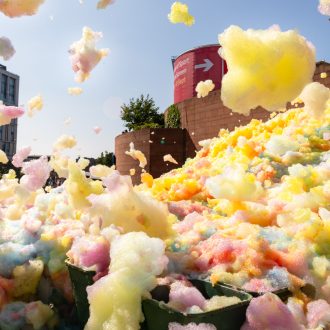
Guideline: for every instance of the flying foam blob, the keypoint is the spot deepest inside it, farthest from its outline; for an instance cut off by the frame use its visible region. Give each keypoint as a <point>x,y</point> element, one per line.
<point>266,68</point>
<point>137,155</point>
<point>102,4</point>
<point>203,88</point>
<point>180,14</point>
<point>7,50</point>
<point>17,8</point>
<point>75,90</point>
<point>65,142</point>
<point>324,7</point>
<point>84,56</point>
<point>35,104</point>
<point>7,113</point>
<point>20,156</point>
<point>315,97</point>
<point>169,158</point>
<point>97,129</point>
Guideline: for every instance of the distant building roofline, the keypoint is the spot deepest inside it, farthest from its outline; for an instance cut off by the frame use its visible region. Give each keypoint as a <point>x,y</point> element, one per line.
<point>322,62</point>
<point>4,68</point>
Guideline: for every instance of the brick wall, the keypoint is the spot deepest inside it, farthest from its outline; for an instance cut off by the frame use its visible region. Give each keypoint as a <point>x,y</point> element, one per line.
<point>322,67</point>
<point>174,141</point>
<point>204,117</point>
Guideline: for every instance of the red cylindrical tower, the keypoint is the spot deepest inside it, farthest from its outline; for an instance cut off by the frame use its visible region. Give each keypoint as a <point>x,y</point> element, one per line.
<point>195,65</point>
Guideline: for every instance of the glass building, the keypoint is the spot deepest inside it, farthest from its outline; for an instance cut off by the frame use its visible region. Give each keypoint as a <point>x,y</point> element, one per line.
<point>9,86</point>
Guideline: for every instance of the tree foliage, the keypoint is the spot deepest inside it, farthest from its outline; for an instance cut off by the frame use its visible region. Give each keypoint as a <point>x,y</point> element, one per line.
<point>173,119</point>
<point>106,158</point>
<point>4,169</point>
<point>141,113</point>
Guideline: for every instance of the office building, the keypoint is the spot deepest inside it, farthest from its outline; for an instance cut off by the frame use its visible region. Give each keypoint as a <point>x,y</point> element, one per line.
<point>9,87</point>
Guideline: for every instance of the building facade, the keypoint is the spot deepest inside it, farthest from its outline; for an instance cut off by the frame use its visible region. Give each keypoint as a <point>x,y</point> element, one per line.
<point>201,118</point>
<point>9,88</point>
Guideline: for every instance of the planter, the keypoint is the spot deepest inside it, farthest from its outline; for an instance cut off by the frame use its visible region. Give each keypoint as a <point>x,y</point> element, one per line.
<point>80,280</point>
<point>158,315</point>
<point>284,294</point>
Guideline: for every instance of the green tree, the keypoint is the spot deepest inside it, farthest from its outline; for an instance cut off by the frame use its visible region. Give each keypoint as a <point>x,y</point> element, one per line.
<point>173,119</point>
<point>4,168</point>
<point>141,113</point>
<point>106,158</point>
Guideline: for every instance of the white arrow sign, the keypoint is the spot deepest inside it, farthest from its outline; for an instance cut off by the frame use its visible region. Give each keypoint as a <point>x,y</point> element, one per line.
<point>207,65</point>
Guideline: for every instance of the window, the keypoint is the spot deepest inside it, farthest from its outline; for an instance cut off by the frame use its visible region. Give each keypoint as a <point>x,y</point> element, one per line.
<point>12,93</point>
<point>12,133</point>
<point>4,148</point>
<point>3,88</point>
<point>6,133</point>
<point>11,149</point>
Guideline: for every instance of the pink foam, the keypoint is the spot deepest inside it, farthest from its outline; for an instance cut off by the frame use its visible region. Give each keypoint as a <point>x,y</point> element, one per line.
<point>269,312</point>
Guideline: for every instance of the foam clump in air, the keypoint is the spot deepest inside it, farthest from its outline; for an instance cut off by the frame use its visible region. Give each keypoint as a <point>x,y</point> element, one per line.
<point>324,7</point>
<point>102,4</point>
<point>36,173</point>
<point>315,97</point>
<point>17,8</point>
<point>75,90</point>
<point>266,68</point>
<point>65,142</point>
<point>203,88</point>
<point>180,14</point>
<point>191,326</point>
<point>169,158</point>
<point>9,112</point>
<point>35,104</point>
<point>97,129</point>
<point>136,260</point>
<point>84,56</point>
<point>67,121</point>
<point>7,50</point>
<point>20,156</point>
<point>137,155</point>
<point>234,184</point>
<point>3,157</point>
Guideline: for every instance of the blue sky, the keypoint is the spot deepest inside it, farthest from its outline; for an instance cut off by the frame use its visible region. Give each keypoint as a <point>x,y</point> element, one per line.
<point>141,42</point>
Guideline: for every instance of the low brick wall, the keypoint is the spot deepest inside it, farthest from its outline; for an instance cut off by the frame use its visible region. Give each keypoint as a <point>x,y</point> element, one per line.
<point>203,118</point>
<point>174,141</point>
